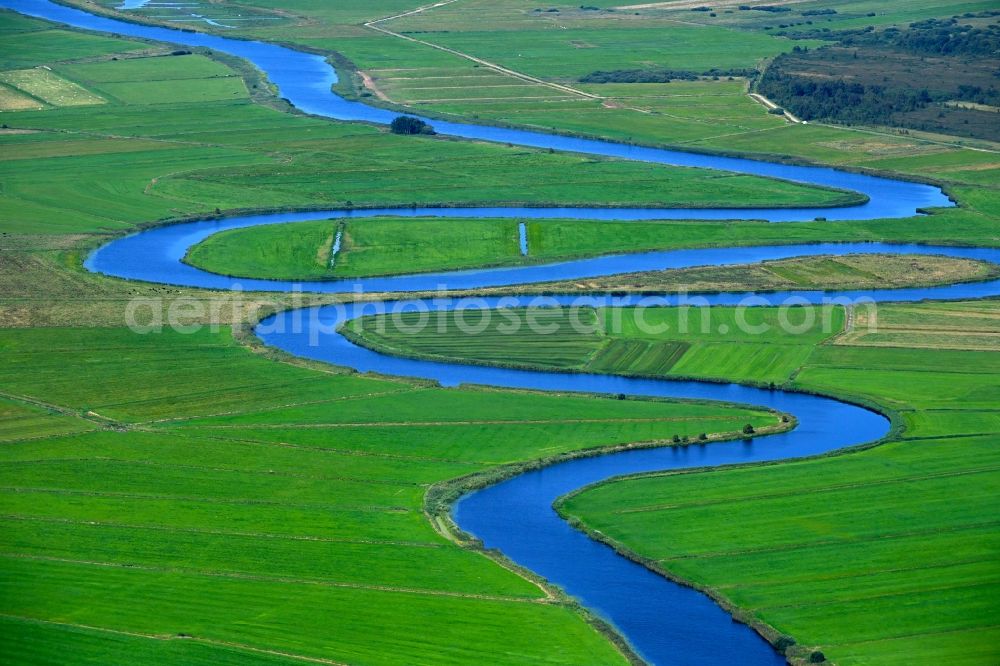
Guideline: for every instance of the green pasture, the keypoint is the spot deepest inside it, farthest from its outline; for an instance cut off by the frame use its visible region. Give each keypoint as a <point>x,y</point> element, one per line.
<point>815,549</point>
<point>195,499</point>
<point>388,245</point>
<point>294,250</point>
<point>24,41</point>
<point>190,508</point>
<point>575,52</point>
<point>369,246</point>
<point>42,84</point>
<point>580,40</point>
<point>177,141</point>
<point>818,549</point>
<point>716,343</point>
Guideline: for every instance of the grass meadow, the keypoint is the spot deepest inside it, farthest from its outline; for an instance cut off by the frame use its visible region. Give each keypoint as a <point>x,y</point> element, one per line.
<point>388,245</point>
<point>868,557</point>
<point>197,507</point>
<point>180,137</point>
<point>687,343</point>
<point>196,499</point>
<point>702,115</point>
<point>42,84</point>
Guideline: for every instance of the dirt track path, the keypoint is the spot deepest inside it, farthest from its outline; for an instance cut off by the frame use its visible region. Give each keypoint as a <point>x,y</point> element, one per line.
<point>375,25</point>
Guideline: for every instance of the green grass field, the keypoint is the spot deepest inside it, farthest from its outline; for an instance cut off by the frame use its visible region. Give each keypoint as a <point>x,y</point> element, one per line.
<point>865,557</point>
<point>387,246</point>
<point>296,250</point>
<point>181,137</point>
<point>48,87</point>
<point>683,342</point>
<point>572,53</point>
<point>369,246</point>
<point>816,550</point>
<point>15,100</point>
<point>708,115</point>
<point>197,499</point>
<point>241,483</point>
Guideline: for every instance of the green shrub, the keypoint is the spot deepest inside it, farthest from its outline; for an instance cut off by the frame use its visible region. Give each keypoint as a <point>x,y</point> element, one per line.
<point>410,125</point>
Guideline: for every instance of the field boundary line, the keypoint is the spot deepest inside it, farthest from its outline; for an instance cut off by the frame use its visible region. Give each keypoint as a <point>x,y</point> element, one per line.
<point>284,580</point>
<point>90,416</point>
<point>321,449</point>
<point>168,637</point>
<point>824,489</point>
<point>918,137</point>
<point>877,572</point>
<point>222,533</point>
<point>374,25</point>
<point>432,424</point>
<point>263,409</point>
<point>885,595</point>
<point>924,634</point>
<point>418,10</point>
<point>226,470</point>
<point>801,545</point>
<point>225,501</point>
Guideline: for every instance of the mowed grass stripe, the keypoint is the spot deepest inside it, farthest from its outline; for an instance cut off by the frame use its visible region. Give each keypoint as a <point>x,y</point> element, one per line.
<point>203,485</point>
<point>238,380</point>
<point>717,343</point>
<point>818,549</point>
<point>283,452</point>
<point>414,570</point>
<point>219,532</point>
<point>832,513</point>
<point>19,421</point>
<point>266,501</point>
<point>495,443</point>
<point>44,642</point>
<point>379,523</point>
<point>47,86</point>
<point>223,610</point>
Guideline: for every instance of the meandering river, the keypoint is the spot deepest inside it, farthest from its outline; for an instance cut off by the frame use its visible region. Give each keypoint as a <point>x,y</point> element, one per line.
<point>666,623</point>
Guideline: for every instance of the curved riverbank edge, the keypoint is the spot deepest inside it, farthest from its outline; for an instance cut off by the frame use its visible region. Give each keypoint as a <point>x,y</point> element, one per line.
<point>155,255</point>
<point>785,644</point>
<point>441,498</point>
<point>930,248</point>
<point>991,271</point>
<point>348,75</point>
<point>819,173</point>
<point>303,83</point>
<point>450,494</point>
<point>345,70</point>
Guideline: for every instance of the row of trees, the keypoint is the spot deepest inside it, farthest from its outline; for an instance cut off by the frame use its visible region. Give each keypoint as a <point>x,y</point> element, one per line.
<point>659,75</point>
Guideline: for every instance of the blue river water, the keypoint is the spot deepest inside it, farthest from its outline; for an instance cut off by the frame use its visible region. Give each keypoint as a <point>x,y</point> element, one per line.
<point>305,79</point>
<point>666,623</point>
